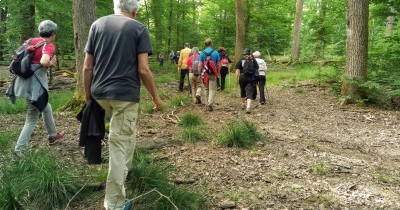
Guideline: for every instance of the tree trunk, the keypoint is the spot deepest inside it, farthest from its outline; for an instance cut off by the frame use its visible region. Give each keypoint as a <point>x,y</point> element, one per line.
<point>169,25</point>
<point>296,32</point>
<point>84,14</point>
<point>321,31</point>
<point>26,20</point>
<point>240,30</point>
<point>3,16</point>
<point>224,20</point>
<point>390,22</point>
<point>356,49</point>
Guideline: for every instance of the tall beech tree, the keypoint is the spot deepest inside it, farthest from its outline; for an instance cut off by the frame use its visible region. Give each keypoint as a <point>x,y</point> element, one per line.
<point>84,14</point>
<point>356,49</point>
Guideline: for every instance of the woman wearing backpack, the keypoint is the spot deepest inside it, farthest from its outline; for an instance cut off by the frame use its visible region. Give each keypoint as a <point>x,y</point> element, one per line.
<point>223,67</point>
<point>262,69</point>
<point>35,88</point>
<point>247,77</point>
<point>195,75</point>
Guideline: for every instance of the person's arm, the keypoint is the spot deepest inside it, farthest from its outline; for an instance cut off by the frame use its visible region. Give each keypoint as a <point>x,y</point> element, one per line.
<point>237,71</point>
<point>48,58</point>
<point>147,77</point>
<point>46,61</point>
<point>87,74</point>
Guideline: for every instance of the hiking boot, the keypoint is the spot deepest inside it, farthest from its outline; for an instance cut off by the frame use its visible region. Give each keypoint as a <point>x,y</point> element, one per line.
<point>53,140</point>
<point>248,110</point>
<point>209,108</point>
<point>262,102</point>
<point>198,100</point>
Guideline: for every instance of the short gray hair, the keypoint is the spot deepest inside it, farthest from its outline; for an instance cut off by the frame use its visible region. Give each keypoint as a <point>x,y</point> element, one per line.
<point>47,28</point>
<point>128,6</point>
<point>195,50</point>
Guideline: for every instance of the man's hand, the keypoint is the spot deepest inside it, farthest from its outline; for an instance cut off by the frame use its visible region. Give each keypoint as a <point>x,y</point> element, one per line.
<point>157,104</point>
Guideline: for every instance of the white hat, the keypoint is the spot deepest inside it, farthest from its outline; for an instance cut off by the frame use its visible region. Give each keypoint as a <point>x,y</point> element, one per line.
<point>256,54</point>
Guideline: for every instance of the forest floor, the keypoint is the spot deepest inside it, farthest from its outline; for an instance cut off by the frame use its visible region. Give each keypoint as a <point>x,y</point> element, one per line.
<point>315,153</point>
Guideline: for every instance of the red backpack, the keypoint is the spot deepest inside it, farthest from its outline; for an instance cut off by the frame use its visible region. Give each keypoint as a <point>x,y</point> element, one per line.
<point>209,65</point>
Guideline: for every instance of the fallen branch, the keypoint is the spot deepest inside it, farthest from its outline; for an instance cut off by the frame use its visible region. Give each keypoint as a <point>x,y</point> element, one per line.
<point>153,190</point>
<point>72,198</point>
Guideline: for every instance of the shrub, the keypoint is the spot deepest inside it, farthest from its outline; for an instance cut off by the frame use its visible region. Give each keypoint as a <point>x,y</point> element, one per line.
<point>37,181</point>
<point>191,119</point>
<point>239,133</point>
<point>149,174</point>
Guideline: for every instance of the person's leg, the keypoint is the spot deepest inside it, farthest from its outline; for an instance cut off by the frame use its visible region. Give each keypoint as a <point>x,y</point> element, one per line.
<point>122,139</point>
<point>212,87</point>
<point>49,121</point>
<point>32,115</point>
<point>182,80</point>
<point>218,83</point>
<point>187,75</point>
<point>261,87</point>
<point>243,83</point>
<point>192,80</point>
<point>223,76</point>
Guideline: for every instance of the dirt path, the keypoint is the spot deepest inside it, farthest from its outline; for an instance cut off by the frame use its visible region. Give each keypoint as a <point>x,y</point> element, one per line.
<point>354,150</point>
<point>314,154</point>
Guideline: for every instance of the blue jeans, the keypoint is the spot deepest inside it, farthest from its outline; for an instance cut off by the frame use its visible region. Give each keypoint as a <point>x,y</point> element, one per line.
<point>32,117</point>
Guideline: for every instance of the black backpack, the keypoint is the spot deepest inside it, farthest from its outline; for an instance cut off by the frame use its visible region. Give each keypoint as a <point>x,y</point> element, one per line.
<point>248,67</point>
<point>21,62</point>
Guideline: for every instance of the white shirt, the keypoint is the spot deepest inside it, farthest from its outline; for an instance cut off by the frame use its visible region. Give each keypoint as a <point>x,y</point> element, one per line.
<point>262,66</point>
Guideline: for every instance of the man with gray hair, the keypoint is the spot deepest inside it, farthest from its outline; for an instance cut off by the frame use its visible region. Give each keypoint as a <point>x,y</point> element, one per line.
<point>116,59</point>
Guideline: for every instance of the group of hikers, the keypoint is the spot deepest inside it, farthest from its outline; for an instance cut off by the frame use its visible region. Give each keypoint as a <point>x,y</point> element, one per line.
<point>115,64</point>
<point>207,70</point>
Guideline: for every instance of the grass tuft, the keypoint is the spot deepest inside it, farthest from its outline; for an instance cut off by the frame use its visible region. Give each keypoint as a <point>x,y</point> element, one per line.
<point>7,138</point>
<point>194,134</point>
<point>320,169</point>
<point>37,181</point>
<point>239,133</point>
<point>149,174</point>
<point>191,119</point>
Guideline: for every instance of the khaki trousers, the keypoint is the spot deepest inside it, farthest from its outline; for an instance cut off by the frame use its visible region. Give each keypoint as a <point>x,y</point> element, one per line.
<point>195,84</point>
<point>211,89</point>
<point>122,141</point>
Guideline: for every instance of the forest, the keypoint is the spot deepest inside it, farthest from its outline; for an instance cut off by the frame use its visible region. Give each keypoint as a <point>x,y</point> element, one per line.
<point>327,138</point>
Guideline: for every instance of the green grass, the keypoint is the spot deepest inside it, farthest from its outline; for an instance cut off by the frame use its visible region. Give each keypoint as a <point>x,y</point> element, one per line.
<point>320,169</point>
<point>191,119</point>
<point>383,177</point>
<point>239,133</point>
<point>37,180</point>
<point>149,174</point>
<point>282,74</point>
<point>57,99</point>
<point>179,100</point>
<point>194,134</point>
<point>7,138</point>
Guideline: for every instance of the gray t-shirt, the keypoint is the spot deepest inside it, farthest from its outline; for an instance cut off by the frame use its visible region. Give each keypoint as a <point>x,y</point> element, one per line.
<point>115,42</point>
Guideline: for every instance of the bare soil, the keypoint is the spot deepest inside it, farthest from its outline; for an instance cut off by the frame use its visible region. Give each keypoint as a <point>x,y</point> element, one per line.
<point>315,153</point>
